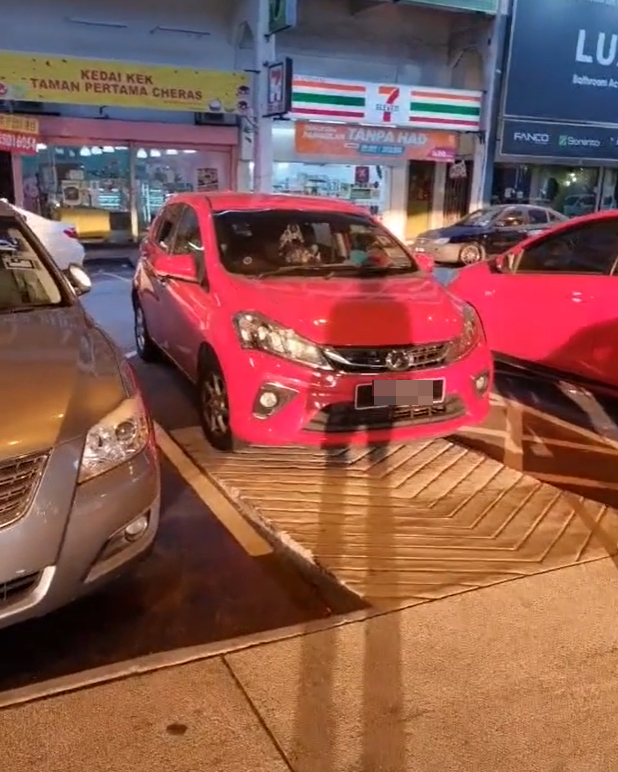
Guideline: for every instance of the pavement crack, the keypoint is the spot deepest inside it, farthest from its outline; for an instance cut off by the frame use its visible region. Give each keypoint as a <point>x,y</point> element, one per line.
<point>258,715</point>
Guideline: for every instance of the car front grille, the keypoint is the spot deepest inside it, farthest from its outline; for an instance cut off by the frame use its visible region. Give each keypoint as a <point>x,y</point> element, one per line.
<point>344,417</point>
<point>374,360</point>
<point>19,479</point>
<point>15,589</point>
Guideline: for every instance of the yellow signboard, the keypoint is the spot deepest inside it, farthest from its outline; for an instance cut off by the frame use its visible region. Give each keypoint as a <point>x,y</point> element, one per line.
<point>65,80</point>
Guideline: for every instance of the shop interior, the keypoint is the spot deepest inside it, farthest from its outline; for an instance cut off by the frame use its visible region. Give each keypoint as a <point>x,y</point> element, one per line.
<point>112,193</point>
<point>571,190</point>
<point>362,185</point>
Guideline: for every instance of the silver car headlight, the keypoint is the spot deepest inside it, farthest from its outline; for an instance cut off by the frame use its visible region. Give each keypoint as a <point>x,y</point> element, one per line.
<point>116,439</point>
<point>469,339</point>
<point>256,332</point>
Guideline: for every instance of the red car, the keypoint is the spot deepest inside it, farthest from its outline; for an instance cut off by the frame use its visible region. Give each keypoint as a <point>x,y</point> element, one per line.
<point>552,301</point>
<point>302,320</point>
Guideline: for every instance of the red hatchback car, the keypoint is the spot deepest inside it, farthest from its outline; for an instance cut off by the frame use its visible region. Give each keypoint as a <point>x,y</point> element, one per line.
<point>302,320</point>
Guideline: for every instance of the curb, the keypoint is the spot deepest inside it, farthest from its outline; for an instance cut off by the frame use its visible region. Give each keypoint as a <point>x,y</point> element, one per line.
<point>151,663</point>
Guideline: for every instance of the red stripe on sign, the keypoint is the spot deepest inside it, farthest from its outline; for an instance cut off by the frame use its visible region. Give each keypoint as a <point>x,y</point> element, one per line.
<point>446,122</point>
<point>330,113</point>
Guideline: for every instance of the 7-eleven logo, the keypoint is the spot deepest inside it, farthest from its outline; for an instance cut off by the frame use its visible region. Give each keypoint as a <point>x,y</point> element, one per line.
<point>388,97</point>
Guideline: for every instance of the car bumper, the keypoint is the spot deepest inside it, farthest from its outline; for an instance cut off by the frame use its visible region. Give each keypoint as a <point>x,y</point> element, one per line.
<point>440,253</point>
<point>304,416</point>
<point>92,551</point>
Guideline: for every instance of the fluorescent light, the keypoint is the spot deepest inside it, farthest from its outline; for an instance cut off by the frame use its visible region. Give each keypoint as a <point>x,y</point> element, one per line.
<point>171,151</point>
<point>155,153</point>
<point>189,152</point>
<point>96,150</point>
<point>40,147</point>
<point>141,153</point>
<point>108,149</point>
<point>85,152</point>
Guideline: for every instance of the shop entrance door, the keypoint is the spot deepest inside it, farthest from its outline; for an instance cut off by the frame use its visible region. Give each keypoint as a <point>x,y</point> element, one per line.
<point>420,197</point>
<point>7,186</point>
<point>457,192</point>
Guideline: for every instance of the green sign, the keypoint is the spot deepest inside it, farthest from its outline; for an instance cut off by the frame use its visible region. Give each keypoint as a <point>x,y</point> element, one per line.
<point>479,6</point>
<point>281,15</point>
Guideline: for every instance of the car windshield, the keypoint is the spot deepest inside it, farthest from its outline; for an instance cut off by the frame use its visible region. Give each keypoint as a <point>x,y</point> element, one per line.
<point>25,281</point>
<point>281,242</point>
<point>480,217</point>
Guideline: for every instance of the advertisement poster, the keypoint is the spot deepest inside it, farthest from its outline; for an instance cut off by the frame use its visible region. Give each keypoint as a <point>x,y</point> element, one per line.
<point>18,134</point>
<point>207,180</point>
<point>383,145</point>
<point>563,62</point>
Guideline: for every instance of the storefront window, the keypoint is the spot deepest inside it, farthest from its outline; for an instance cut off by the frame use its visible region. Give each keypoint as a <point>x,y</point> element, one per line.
<point>571,190</point>
<point>160,172</point>
<point>112,193</point>
<point>362,185</point>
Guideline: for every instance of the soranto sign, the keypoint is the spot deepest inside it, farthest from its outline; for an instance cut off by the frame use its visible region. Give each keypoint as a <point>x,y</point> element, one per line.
<point>563,62</point>
<point>349,141</point>
<point>29,77</point>
<point>559,140</point>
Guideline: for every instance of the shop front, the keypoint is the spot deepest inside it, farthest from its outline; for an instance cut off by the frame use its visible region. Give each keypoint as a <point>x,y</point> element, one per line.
<point>556,146</point>
<point>386,148</point>
<point>110,177</point>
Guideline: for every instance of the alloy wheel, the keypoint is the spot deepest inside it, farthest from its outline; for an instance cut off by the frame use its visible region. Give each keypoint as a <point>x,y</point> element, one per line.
<point>470,254</point>
<point>214,404</point>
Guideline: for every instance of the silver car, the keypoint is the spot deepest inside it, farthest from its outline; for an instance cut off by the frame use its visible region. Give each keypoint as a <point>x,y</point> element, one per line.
<point>79,473</point>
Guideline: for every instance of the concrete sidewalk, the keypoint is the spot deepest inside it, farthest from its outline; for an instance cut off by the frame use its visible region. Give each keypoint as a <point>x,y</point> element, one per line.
<point>516,677</point>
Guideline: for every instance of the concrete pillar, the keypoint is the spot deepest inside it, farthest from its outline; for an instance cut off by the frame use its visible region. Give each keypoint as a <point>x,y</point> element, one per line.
<point>263,137</point>
<point>395,212</point>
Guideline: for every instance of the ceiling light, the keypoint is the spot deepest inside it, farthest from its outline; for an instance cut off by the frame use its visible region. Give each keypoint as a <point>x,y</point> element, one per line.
<point>85,152</point>
<point>141,153</point>
<point>155,153</point>
<point>108,149</point>
<point>171,151</point>
<point>96,150</point>
<point>40,147</point>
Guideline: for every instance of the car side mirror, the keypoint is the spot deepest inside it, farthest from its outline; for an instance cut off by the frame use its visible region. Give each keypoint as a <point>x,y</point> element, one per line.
<point>425,261</point>
<point>505,263</point>
<point>78,279</point>
<point>180,267</point>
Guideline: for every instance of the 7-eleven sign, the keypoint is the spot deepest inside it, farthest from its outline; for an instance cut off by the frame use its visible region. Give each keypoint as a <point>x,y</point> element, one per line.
<point>388,103</point>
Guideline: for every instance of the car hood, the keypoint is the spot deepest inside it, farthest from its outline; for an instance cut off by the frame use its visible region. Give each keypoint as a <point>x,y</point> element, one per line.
<point>356,312</point>
<point>59,376</point>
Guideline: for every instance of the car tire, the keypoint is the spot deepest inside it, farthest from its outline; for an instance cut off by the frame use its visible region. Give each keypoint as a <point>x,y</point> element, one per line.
<point>146,348</point>
<point>213,405</point>
<point>470,254</point>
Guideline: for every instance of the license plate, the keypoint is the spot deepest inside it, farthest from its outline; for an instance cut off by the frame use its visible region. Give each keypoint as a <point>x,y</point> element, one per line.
<point>409,393</point>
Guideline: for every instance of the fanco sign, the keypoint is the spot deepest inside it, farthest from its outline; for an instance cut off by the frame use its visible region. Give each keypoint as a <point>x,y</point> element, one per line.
<point>558,140</point>
<point>570,74</point>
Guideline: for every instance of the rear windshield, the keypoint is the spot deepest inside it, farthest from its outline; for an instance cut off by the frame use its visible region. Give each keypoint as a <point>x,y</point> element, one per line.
<point>25,280</point>
<point>293,242</point>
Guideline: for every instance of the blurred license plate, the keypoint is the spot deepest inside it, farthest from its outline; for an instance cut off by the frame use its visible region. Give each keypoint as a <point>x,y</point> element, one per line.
<point>410,393</point>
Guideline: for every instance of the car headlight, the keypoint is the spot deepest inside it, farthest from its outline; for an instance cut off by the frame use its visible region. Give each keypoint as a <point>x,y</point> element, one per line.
<point>256,332</point>
<point>441,241</point>
<point>117,438</point>
<point>469,339</point>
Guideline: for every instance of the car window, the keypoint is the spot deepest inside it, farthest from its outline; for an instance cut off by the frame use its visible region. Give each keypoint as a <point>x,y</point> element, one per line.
<point>556,216</point>
<point>165,225</point>
<point>25,280</point>
<point>188,238</point>
<point>480,217</point>
<point>538,216</point>
<point>307,242</point>
<point>591,248</point>
<point>512,218</point>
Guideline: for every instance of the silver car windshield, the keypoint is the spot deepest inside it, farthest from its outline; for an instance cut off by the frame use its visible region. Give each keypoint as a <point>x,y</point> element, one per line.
<point>25,280</point>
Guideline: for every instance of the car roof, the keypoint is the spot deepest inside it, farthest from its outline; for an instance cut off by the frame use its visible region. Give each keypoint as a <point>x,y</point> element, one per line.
<point>230,200</point>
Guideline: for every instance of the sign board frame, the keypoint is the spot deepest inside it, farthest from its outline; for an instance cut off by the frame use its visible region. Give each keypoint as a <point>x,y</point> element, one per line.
<point>279,77</point>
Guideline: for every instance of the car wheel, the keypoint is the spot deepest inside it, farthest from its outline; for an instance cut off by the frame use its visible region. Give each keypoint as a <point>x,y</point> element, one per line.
<point>471,253</point>
<point>146,348</point>
<point>214,405</point>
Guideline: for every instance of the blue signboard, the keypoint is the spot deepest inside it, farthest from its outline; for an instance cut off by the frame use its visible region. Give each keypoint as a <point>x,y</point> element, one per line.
<point>563,61</point>
<point>563,140</point>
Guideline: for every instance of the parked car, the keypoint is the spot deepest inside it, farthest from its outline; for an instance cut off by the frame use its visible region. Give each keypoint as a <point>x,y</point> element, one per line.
<point>579,204</point>
<point>550,303</point>
<point>484,233</point>
<point>298,319</point>
<point>79,476</point>
<point>59,238</point>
